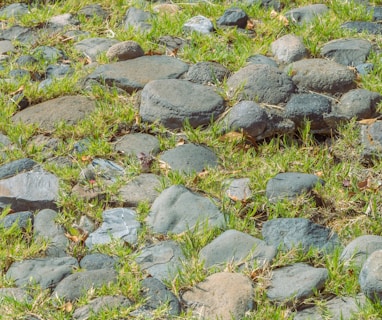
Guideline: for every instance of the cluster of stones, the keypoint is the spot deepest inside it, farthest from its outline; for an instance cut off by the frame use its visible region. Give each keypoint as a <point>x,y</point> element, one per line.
<point>276,96</point>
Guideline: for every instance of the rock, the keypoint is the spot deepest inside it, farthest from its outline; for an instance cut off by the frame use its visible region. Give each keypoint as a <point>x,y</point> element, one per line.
<point>162,260</point>
<point>22,219</point>
<point>58,71</point>
<point>177,210</point>
<point>143,188</point>
<point>99,304</point>
<point>238,189</point>
<point>106,169</point>
<point>46,115</point>
<point>261,59</point>
<point>364,68</point>
<point>93,11</point>
<point>306,14</point>
<point>277,124</point>
<point>289,233</point>
<point>358,250</point>
<point>171,102</point>
<point>46,272</point>
<point>222,295</point>
<point>26,60</point>
<point>261,83</point>
<point>96,261</point>
<point>48,54</point>
<point>349,52</point>
<point>138,19</point>
<point>31,190</point>
<point>124,51</point>
<point>12,168</point>
<point>308,107</point>
<point>6,46</point>
<point>290,185</point>
<point>133,75</point>
<point>19,74</point>
<point>233,17</point>
<point>4,141</point>
<point>207,73</point>
<point>118,223</point>
<point>363,27</point>
<point>288,49</point>
<point>75,285</point>
<point>321,75</point>
<point>371,138</point>
<point>267,4</point>
<point>17,294</point>
<point>45,227</point>
<point>137,143</point>
<point>370,278</point>
<point>93,47</point>
<point>235,247</point>
<point>295,283</point>
<point>157,294</point>
<point>172,43</point>
<point>14,10</point>
<point>22,34</point>
<point>190,158</point>
<point>63,20</point>
<point>199,24</point>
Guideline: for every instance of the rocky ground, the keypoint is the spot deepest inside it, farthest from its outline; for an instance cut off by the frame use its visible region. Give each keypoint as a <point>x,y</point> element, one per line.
<point>270,96</point>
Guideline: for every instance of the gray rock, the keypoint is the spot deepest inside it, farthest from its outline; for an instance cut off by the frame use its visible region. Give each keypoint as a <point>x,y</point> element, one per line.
<point>171,42</point>
<point>106,169</point>
<point>233,17</point>
<point>12,168</point>
<point>48,54</point>
<point>199,24</point>
<point>358,250</point>
<point>18,74</point>
<point>371,138</point>
<point>77,284</point>
<point>45,227</point>
<point>288,49</point>
<point>132,75</point>
<point>237,248</point>
<point>277,124</point>
<point>238,189</point>
<point>22,34</point>
<point>221,296</point>
<point>118,223</point>
<point>93,11</point>
<point>370,278</point>
<point>349,52</point>
<point>58,71</point>
<point>321,75</point>
<point>171,102</point>
<point>206,73</point>
<point>261,59</point>
<point>364,68</point>
<point>162,260</point>
<point>63,20</point>
<point>268,4</point>
<point>14,10</point>
<point>26,60</point>
<point>306,14</point>
<point>143,188</point>
<point>311,107</point>
<point>17,294</point>
<point>289,233</point>
<point>363,26</point>
<point>29,191</point>
<point>289,185</point>
<point>4,141</point>
<point>376,11</point>
<point>261,83</point>
<point>23,219</point>
<point>138,19</point>
<point>46,272</point>
<point>6,46</point>
<point>99,304</point>
<point>189,158</point>
<point>177,210</point>
<point>124,51</point>
<point>137,143</point>
<point>295,283</point>
<point>46,115</point>
<point>96,261</point>
<point>93,47</point>
<point>157,294</point>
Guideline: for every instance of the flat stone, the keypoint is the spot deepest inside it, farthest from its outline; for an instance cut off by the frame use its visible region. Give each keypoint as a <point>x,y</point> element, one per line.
<point>206,72</point>
<point>6,46</point>
<point>92,11</point>
<point>171,102</point>
<point>124,51</point>
<point>239,248</point>
<point>77,284</point>
<point>58,71</point>
<point>17,294</point>
<point>363,26</point>
<point>321,75</point>
<point>233,17</point>
<point>371,139</point>
<point>96,261</point>
<point>289,233</point>
<point>22,219</point>
<point>261,83</point>
<point>189,158</point>
<point>106,169</point>
<point>295,283</point>
<point>138,19</point>
<point>199,24</point>
<point>349,52</point>
<point>177,210</point>
<point>22,34</point>
<point>137,144</point>
<point>46,272</point>
<point>288,49</point>
<point>306,14</point>
<point>14,10</point>
<point>118,223</point>
<point>162,260</point>
<point>261,59</point>
<point>92,47</point>
<point>370,278</point>
<point>238,189</point>
<point>222,295</point>
<point>12,168</point>
<point>133,75</point>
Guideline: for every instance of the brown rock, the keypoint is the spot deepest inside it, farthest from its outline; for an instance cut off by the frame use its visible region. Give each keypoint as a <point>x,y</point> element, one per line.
<point>125,50</point>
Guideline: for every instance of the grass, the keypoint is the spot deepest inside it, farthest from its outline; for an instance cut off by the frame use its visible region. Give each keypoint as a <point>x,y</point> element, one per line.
<point>349,210</point>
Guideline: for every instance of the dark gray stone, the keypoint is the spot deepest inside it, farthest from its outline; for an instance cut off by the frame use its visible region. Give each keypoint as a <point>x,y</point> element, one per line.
<point>14,10</point>
<point>93,11</point>
<point>48,54</point>
<point>261,83</point>
<point>162,260</point>
<point>370,278</point>
<point>237,248</point>
<point>12,168</point>
<point>363,26</point>
<point>157,294</point>
<point>171,42</point>
<point>295,283</point>
<point>277,124</point>
<point>58,71</point>
<point>93,47</point>
<point>23,219</point>
<point>77,284</point>
<point>106,169</point>
<point>364,68</point>
<point>207,73</point>
<point>118,223</point>
<point>371,138</point>
<point>22,34</point>
<point>288,49</point>
<point>138,19</point>
<point>306,14</point>
<point>19,74</point>
<point>260,59</point>
<point>46,272</point>
<point>137,143</point>
<point>233,17</point>
<point>133,75</point>
<point>199,24</point>
<point>349,52</point>
<point>238,189</point>
<point>124,51</point>
<point>190,158</point>
<point>171,102</point>
<point>96,261</point>
<point>377,12</point>
<point>289,233</point>
<point>177,210</point>
<point>26,60</point>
